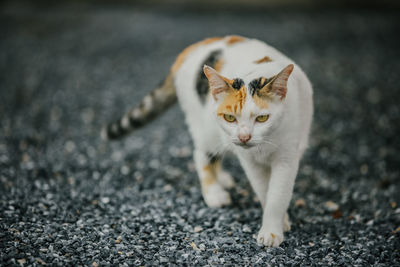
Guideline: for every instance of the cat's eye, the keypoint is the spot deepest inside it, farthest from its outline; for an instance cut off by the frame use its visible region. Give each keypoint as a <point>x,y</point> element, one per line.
<point>229,118</point>
<point>262,118</point>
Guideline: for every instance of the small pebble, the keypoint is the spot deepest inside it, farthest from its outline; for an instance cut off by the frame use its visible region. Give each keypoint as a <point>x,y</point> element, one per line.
<point>300,203</point>
<point>125,170</point>
<point>246,229</point>
<point>105,200</point>
<point>364,169</point>
<point>194,246</point>
<point>198,229</point>
<point>331,206</point>
<point>167,188</point>
<point>70,146</point>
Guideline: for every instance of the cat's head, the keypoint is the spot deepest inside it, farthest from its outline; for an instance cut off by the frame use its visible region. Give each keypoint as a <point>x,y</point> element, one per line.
<point>248,112</point>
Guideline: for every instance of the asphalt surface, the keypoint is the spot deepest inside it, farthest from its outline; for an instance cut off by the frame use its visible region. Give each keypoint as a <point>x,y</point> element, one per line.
<point>68,198</point>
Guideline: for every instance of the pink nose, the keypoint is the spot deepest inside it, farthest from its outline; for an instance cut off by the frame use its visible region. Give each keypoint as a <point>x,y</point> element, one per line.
<point>244,138</point>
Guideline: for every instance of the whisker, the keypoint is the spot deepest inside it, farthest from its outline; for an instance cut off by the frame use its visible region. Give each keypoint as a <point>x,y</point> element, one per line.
<point>263,141</point>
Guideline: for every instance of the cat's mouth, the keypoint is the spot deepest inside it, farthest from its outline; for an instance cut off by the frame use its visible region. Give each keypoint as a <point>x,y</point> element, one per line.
<point>244,145</point>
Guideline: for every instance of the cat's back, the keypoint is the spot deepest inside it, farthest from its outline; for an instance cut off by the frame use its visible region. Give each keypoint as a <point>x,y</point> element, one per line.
<point>242,57</point>
<point>230,55</point>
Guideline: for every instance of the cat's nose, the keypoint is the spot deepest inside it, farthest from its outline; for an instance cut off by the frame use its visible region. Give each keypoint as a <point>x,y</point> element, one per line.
<point>244,138</point>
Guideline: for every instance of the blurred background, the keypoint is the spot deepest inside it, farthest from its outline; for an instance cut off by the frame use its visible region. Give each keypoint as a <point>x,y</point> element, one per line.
<point>69,67</point>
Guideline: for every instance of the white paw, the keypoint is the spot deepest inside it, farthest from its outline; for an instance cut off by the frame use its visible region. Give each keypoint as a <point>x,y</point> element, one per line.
<point>286,223</point>
<point>225,179</point>
<point>270,237</point>
<point>216,196</point>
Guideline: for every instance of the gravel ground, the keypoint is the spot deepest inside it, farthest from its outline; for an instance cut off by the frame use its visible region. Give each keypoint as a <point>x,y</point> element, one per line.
<point>67,198</point>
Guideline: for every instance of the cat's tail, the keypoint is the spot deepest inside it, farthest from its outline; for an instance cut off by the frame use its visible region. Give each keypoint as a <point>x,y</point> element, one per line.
<point>152,105</point>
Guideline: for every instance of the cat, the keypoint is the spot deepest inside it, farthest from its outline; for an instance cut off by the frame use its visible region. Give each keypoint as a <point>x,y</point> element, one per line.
<point>240,95</point>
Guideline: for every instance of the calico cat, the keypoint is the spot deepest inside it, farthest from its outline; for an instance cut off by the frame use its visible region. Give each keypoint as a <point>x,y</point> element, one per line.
<point>241,95</point>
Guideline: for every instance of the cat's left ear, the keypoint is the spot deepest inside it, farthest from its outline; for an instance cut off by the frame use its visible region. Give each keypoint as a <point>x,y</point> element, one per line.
<point>218,84</point>
<point>278,84</point>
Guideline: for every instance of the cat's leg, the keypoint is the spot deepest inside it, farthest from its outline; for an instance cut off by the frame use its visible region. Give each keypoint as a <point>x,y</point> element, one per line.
<point>259,178</point>
<point>213,193</point>
<point>224,178</point>
<point>283,174</point>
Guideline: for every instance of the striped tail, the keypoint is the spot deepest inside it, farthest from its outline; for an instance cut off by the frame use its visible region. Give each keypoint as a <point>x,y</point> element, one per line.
<point>152,105</point>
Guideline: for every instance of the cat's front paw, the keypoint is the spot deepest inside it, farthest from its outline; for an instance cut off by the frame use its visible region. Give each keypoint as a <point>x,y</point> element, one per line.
<point>216,196</point>
<point>270,237</point>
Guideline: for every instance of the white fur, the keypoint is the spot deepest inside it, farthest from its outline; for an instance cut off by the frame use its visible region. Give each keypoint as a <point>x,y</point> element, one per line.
<point>271,164</point>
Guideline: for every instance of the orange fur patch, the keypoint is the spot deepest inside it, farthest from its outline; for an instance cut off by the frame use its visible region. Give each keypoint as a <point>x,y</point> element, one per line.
<point>210,178</point>
<point>234,39</point>
<point>261,103</point>
<point>235,99</point>
<point>182,56</point>
<point>263,60</point>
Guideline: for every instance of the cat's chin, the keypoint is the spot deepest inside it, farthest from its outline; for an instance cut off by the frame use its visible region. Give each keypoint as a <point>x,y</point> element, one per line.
<point>244,146</point>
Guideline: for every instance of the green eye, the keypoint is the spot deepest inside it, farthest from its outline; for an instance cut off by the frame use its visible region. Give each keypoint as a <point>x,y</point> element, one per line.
<point>262,118</point>
<point>229,118</point>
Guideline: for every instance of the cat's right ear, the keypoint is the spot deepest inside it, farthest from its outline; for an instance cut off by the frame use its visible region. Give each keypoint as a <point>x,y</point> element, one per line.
<point>218,84</point>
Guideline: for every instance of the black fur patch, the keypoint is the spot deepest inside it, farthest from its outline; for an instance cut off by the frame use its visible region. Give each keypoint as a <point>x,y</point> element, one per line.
<point>202,81</point>
<point>212,158</point>
<point>257,84</point>
<point>115,129</point>
<point>135,123</point>
<point>237,83</point>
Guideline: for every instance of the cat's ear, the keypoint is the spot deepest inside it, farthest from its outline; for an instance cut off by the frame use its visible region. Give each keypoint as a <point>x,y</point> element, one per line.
<point>278,84</point>
<point>218,83</point>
